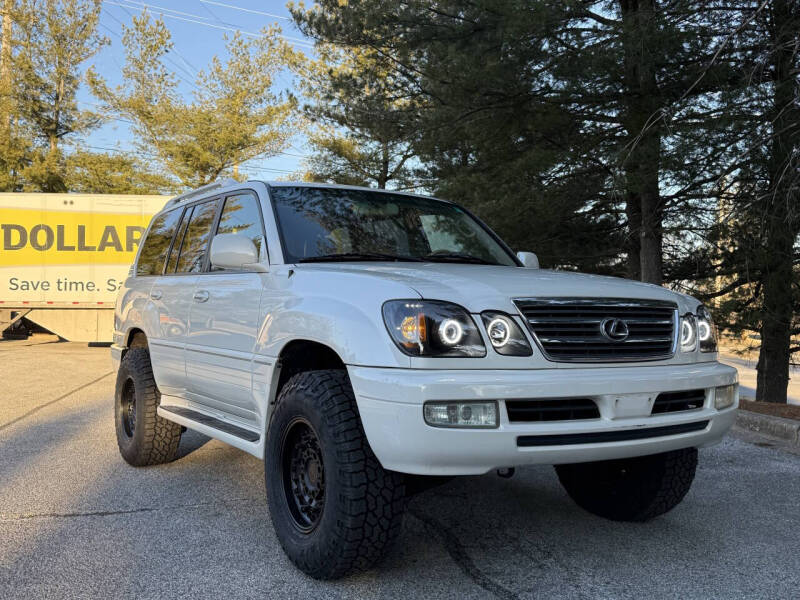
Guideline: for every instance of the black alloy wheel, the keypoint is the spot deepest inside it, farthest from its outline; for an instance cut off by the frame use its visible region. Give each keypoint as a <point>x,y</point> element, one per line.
<point>128,412</point>
<point>303,474</point>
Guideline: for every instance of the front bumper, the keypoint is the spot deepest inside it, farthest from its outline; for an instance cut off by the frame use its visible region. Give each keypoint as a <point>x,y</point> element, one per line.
<point>390,402</point>
<point>116,356</point>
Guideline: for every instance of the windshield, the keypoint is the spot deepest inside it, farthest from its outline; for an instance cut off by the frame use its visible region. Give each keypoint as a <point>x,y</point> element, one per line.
<point>321,224</point>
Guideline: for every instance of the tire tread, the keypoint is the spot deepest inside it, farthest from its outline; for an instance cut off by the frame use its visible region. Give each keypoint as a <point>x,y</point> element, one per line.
<point>372,499</point>
<point>654,486</point>
<point>159,441</point>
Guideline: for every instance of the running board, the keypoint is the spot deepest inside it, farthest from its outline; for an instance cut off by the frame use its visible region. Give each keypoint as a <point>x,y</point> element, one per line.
<point>213,422</point>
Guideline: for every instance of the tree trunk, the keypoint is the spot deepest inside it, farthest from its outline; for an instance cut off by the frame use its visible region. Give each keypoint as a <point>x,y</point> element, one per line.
<point>383,176</point>
<point>633,211</point>
<point>5,67</point>
<point>780,209</point>
<point>641,155</point>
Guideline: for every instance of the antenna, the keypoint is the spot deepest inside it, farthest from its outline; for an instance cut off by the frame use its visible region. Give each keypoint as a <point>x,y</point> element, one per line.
<point>221,183</point>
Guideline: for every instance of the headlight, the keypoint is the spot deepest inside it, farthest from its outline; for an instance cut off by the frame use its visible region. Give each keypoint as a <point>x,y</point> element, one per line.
<point>706,332</point>
<point>504,334</point>
<point>688,333</point>
<point>432,328</point>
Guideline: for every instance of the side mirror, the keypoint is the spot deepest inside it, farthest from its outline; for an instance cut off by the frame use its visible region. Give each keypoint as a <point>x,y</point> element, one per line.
<point>232,251</point>
<point>528,259</point>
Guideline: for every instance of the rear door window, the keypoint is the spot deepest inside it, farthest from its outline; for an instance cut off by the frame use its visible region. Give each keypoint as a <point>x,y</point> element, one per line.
<point>195,240</point>
<point>241,216</point>
<point>156,245</point>
<point>172,261</point>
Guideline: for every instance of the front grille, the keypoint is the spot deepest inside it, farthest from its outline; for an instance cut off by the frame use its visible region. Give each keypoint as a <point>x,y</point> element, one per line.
<point>557,409</point>
<point>602,329</point>
<point>668,402</point>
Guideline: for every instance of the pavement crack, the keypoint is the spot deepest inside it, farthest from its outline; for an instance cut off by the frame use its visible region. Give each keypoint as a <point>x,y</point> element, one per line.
<point>59,399</point>
<point>459,554</point>
<point>110,513</point>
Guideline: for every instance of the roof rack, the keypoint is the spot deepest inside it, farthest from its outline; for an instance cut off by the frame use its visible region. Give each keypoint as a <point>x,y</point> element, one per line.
<point>220,183</point>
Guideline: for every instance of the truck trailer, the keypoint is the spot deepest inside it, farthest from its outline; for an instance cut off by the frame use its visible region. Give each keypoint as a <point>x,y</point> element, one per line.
<point>64,256</point>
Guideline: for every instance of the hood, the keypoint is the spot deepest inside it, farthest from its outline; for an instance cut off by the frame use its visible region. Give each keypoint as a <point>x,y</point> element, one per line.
<point>485,287</point>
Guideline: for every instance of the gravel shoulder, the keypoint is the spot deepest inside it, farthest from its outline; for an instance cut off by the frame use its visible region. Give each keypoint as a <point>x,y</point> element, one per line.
<point>77,522</point>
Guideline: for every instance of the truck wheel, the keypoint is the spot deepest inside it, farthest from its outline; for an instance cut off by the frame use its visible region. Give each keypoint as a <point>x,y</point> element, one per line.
<point>334,508</point>
<point>143,437</point>
<point>631,489</point>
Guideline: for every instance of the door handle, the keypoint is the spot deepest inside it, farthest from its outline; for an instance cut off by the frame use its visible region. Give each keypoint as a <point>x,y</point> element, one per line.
<point>155,294</point>
<point>201,296</point>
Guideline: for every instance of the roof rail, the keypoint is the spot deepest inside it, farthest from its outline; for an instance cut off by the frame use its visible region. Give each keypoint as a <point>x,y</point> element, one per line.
<point>220,183</point>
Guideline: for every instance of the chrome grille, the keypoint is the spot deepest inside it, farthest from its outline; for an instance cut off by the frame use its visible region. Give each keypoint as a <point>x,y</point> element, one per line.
<point>602,329</point>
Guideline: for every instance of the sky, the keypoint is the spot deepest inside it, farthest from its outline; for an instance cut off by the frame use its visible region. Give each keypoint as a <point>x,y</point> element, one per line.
<point>198,28</point>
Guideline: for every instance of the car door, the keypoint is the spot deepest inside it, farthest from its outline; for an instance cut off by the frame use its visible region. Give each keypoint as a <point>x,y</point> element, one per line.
<point>223,321</point>
<point>167,310</point>
<point>174,290</point>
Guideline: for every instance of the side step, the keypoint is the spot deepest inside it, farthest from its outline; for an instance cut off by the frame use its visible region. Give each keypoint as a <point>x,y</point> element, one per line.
<point>213,422</point>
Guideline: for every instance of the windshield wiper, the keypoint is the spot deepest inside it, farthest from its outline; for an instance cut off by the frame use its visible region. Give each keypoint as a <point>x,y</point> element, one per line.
<point>457,257</point>
<point>345,256</point>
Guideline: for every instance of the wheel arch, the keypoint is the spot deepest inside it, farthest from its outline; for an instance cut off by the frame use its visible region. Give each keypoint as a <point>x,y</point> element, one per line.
<point>298,356</point>
<point>134,338</point>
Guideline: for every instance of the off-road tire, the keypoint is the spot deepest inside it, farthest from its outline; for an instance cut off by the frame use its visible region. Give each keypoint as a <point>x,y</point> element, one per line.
<point>631,489</point>
<point>363,504</point>
<point>153,440</point>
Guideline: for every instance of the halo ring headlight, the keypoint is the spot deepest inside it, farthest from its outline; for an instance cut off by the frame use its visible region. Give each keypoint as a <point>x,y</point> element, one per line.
<point>451,332</point>
<point>499,330</point>
<point>432,328</point>
<point>505,336</point>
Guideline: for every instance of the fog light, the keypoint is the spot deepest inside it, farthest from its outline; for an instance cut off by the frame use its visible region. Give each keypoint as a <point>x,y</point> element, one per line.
<point>461,414</point>
<point>724,396</point>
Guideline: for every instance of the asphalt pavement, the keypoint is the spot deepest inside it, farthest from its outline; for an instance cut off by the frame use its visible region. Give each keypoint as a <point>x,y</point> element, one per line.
<point>78,522</point>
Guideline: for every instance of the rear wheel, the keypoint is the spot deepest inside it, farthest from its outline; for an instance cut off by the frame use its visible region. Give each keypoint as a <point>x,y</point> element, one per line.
<point>334,508</point>
<point>143,437</point>
<point>631,489</point>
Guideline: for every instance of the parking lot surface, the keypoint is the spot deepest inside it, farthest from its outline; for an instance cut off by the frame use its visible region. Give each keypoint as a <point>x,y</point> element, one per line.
<point>77,522</point>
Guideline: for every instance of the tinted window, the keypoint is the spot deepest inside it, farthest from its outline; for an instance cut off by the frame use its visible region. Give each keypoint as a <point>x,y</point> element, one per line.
<point>176,245</point>
<point>324,223</point>
<point>195,240</point>
<point>156,245</point>
<point>241,216</point>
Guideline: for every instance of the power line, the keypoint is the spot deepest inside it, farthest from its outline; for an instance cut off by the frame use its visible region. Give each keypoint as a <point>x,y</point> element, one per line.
<point>154,6</point>
<point>243,9</point>
<point>162,8</point>
<point>186,71</point>
<point>156,156</point>
<point>201,20</point>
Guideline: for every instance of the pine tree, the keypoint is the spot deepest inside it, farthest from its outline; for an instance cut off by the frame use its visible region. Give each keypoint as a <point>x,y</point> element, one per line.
<point>355,136</point>
<point>103,173</point>
<point>54,38</point>
<point>233,115</point>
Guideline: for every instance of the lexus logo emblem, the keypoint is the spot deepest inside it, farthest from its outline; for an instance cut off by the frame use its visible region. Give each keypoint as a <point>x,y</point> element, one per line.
<point>615,330</point>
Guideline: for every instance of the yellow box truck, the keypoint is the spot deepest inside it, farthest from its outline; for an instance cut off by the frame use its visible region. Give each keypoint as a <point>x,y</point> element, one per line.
<point>63,257</point>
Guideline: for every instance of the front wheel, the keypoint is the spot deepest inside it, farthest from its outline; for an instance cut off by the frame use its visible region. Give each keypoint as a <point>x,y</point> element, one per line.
<point>335,510</point>
<point>631,489</point>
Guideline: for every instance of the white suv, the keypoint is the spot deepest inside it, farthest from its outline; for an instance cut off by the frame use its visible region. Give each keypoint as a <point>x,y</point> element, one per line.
<point>358,340</point>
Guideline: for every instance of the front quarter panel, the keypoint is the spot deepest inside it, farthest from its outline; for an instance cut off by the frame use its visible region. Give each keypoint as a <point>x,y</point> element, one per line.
<point>339,310</point>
